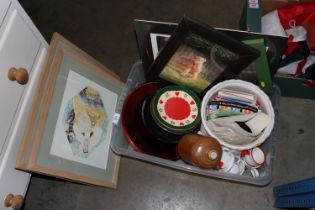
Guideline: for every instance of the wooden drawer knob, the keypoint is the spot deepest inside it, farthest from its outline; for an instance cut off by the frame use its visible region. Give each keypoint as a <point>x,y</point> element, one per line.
<point>20,75</point>
<point>16,202</point>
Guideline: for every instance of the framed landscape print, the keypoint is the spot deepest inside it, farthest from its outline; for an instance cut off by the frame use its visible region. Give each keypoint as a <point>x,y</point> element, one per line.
<point>154,36</point>
<point>198,56</point>
<point>72,121</point>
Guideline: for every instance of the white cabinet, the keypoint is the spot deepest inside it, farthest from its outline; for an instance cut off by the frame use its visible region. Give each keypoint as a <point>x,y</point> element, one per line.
<point>4,5</point>
<point>15,51</point>
<point>21,45</point>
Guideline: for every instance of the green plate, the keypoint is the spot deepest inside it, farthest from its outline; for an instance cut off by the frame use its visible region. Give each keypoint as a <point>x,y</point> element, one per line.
<point>176,109</point>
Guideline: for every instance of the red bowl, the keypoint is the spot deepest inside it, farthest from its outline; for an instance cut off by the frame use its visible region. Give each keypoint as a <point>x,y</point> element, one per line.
<point>132,123</point>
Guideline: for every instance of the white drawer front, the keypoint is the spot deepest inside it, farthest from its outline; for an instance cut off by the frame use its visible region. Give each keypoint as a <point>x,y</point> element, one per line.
<point>12,180</point>
<point>4,6</point>
<point>18,48</point>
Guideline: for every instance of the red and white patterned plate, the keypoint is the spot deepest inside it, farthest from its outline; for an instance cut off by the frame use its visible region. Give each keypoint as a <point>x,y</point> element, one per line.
<point>176,109</point>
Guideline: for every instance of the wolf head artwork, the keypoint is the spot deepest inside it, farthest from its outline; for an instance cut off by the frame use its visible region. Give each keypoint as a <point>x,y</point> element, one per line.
<point>85,121</point>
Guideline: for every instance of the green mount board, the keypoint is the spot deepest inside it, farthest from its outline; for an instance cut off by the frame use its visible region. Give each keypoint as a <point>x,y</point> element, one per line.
<point>261,65</point>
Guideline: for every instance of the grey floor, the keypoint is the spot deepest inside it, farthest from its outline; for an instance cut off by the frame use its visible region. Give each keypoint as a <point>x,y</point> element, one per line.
<point>104,29</point>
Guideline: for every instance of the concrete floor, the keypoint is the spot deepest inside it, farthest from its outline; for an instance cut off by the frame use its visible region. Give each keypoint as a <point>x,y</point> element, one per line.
<point>105,30</point>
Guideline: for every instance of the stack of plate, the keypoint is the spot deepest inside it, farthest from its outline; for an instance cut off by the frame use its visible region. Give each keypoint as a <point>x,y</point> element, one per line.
<point>135,129</point>
<point>176,110</point>
<point>155,118</point>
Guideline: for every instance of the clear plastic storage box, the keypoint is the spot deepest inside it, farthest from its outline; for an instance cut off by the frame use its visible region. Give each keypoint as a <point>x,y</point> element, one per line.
<point>120,145</point>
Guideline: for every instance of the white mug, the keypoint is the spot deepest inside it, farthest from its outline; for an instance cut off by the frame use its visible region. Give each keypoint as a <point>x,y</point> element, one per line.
<point>226,161</point>
<point>238,166</point>
<point>254,158</point>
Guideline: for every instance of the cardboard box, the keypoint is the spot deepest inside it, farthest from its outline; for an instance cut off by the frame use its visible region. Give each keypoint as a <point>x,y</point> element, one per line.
<point>254,9</point>
<point>250,19</point>
<point>295,87</point>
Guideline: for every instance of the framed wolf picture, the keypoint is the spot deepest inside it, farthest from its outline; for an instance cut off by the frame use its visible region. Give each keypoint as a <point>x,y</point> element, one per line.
<point>71,120</point>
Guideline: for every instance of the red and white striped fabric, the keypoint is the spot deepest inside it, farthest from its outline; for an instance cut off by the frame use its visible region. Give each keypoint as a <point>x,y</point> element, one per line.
<point>297,21</point>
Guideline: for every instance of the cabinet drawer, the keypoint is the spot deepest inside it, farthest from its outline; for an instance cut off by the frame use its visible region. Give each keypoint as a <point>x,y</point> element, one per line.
<point>18,48</point>
<point>4,6</point>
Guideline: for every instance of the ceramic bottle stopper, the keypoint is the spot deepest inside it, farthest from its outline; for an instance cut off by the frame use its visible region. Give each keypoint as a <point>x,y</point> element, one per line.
<point>201,151</point>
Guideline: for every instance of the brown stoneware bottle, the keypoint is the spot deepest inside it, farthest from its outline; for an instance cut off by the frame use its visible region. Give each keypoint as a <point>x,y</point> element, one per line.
<point>202,151</point>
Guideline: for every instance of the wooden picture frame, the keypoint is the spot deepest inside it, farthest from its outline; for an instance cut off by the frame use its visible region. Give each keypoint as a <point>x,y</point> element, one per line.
<point>66,68</point>
<point>196,47</point>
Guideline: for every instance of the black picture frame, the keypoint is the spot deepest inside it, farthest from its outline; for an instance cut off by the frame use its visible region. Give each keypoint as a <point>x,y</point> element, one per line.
<point>149,47</point>
<point>240,55</point>
<point>144,30</point>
